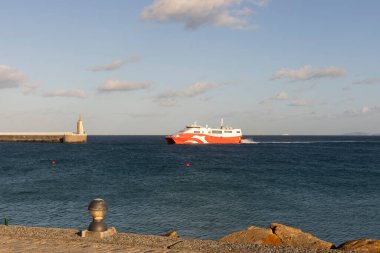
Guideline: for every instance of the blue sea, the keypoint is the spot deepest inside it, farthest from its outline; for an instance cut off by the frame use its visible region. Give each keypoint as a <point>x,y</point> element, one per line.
<point>328,186</point>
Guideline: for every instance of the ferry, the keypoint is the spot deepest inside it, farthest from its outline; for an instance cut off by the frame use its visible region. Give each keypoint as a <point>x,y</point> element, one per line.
<point>196,134</point>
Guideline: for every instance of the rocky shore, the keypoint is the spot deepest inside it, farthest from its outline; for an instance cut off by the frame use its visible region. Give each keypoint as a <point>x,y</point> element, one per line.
<point>282,235</point>
<point>284,239</point>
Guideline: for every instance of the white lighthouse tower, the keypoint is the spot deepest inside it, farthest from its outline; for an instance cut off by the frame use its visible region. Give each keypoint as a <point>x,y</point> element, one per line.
<point>79,137</point>
<point>80,125</point>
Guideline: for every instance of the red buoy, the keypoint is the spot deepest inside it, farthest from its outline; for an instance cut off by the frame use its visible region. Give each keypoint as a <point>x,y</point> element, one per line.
<point>53,162</point>
<point>187,164</point>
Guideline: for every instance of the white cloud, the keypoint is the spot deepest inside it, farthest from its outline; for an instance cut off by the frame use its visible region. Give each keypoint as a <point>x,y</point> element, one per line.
<point>11,78</point>
<point>116,64</point>
<point>307,73</point>
<point>195,13</point>
<point>299,102</point>
<point>365,110</point>
<point>170,98</point>
<point>120,85</point>
<point>197,89</point>
<point>260,2</point>
<point>283,95</point>
<point>75,93</point>
<point>367,81</point>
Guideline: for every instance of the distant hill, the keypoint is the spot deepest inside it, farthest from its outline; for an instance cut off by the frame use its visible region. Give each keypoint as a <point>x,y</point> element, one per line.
<point>357,134</point>
<point>360,134</point>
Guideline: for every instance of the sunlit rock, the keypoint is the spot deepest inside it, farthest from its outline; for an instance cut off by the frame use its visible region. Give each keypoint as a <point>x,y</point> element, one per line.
<point>253,235</point>
<point>361,245</point>
<point>296,238</point>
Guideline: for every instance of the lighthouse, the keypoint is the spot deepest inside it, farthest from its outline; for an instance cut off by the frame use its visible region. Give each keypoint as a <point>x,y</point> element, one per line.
<point>79,137</point>
<point>80,125</point>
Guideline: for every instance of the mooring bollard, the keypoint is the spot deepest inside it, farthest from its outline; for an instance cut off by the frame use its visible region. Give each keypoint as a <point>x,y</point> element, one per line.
<point>5,221</point>
<point>98,228</point>
<point>98,209</point>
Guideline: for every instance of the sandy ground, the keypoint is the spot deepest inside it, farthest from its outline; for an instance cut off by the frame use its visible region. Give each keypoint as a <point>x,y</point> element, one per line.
<point>32,239</point>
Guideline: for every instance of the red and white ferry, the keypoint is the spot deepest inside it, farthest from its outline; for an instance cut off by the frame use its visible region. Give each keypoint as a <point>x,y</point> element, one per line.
<point>196,134</point>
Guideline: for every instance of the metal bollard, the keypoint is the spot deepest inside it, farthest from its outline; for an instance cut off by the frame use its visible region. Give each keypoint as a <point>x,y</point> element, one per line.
<point>98,209</point>
<point>98,228</point>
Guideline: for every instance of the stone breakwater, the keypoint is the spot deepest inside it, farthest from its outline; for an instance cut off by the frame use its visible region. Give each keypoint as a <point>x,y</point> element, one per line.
<point>44,137</point>
<point>33,239</point>
<point>67,137</point>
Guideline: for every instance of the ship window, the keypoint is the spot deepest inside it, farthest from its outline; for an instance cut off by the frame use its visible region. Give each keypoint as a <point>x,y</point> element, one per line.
<point>228,132</point>
<point>197,132</point>
<point>217,132</point>
<point>238,132</point>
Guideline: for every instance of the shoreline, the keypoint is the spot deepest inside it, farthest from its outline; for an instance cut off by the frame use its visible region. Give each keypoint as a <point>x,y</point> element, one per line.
<point>31,239</point>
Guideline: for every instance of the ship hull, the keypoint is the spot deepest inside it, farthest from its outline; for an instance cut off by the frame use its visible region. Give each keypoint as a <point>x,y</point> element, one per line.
<point>201,139</point>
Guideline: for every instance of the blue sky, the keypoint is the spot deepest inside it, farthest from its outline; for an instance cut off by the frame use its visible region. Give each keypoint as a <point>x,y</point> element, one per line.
<point>151,67</point>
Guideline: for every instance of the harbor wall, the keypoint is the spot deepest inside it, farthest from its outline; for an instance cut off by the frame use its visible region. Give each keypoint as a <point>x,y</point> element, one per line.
<point>75,138</point>
<point>44,137</point>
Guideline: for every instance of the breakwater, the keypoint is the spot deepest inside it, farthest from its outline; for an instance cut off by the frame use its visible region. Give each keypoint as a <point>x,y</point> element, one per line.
<point>44,137</point>
<point>61,137</point>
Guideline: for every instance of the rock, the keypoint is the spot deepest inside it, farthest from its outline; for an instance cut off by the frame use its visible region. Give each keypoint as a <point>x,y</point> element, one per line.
<point>277,235</point>
<point>253,235</point>
<point>171,234</point>
<point>361,245</point>
<point>296,238</point>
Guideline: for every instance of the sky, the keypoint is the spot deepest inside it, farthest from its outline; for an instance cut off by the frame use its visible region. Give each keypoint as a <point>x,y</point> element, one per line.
<point>143,67</point>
